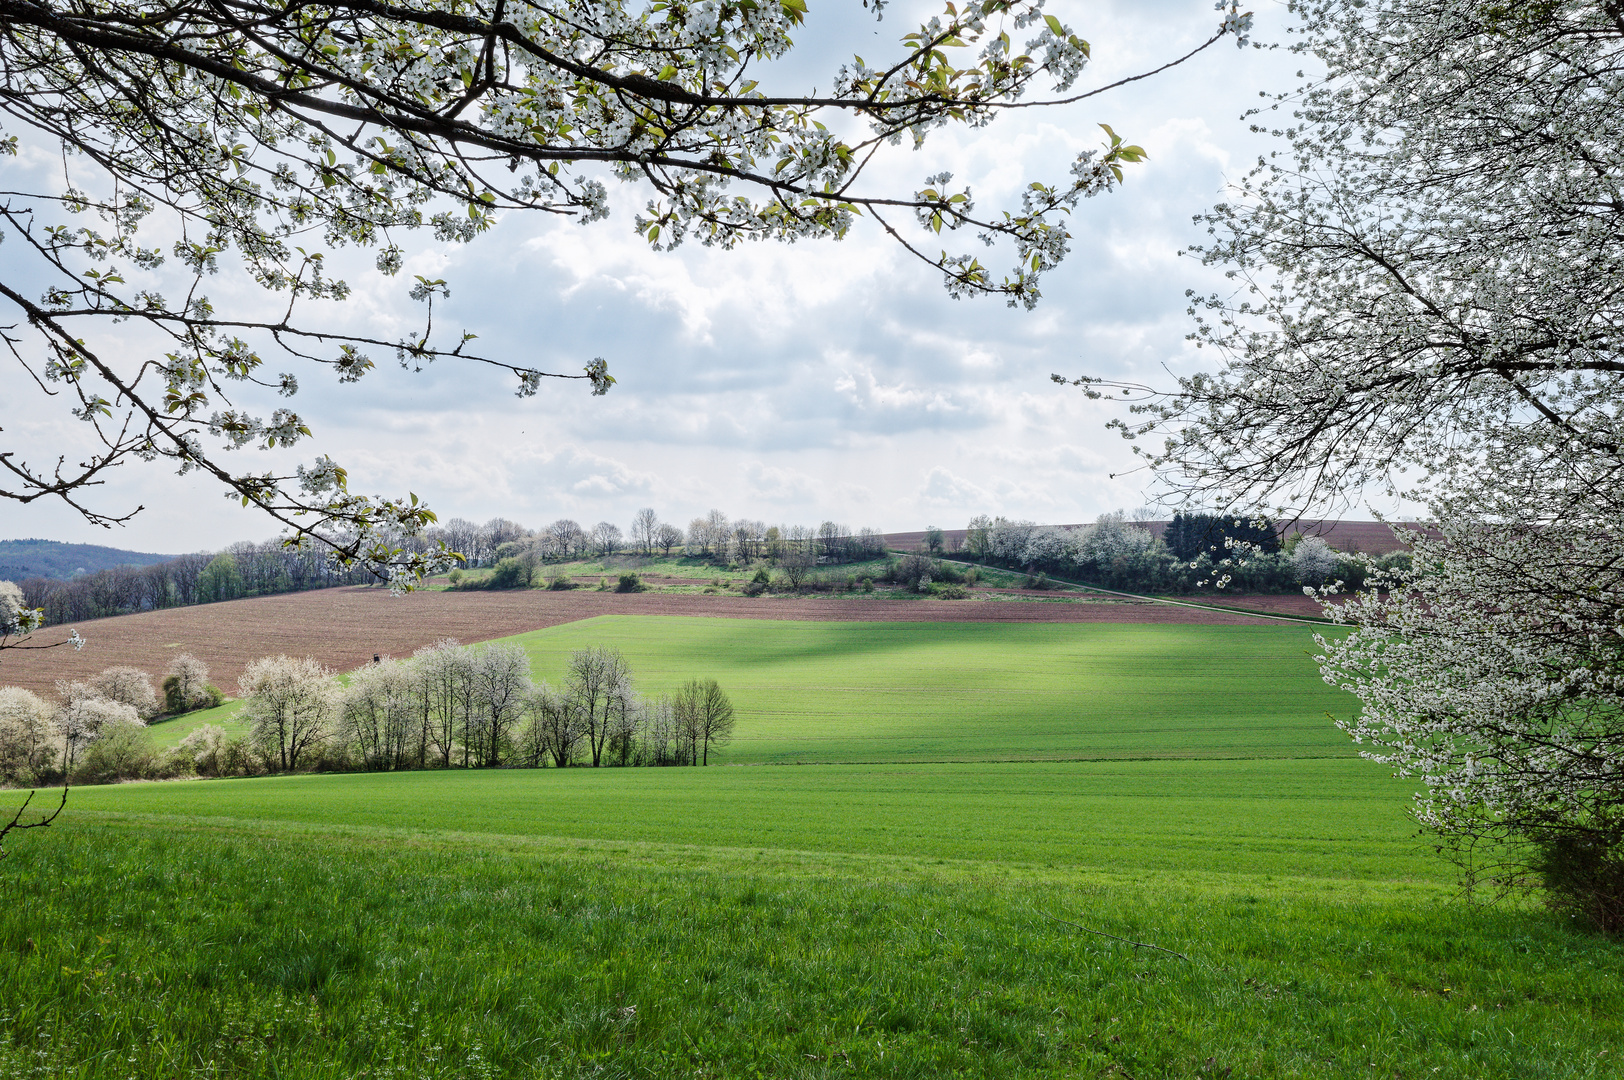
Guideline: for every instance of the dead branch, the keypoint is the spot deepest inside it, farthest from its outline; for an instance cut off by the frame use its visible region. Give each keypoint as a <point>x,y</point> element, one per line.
<point>18,824</point>
<point>1113,937</point>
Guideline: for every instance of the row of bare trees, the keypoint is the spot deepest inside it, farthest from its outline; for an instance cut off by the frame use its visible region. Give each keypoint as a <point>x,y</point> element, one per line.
<point>714,537</point>
<point>450,706</point>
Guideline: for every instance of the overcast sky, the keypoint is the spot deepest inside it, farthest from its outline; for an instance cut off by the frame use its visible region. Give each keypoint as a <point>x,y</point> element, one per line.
<point>788,383</point>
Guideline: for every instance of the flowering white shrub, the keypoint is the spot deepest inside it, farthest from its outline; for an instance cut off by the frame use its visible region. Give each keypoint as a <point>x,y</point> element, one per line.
<point>1007,540</point>
<point>1313,561</point>
<point>290,705</point>
<point>1111,537</point>
<point>26,742</point>
<point>1493,673</point>
<point>129,685</point>
<point>82,716</point>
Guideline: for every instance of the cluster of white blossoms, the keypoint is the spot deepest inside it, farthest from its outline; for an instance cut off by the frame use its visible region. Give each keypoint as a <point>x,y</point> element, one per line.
<point>1492,674</point>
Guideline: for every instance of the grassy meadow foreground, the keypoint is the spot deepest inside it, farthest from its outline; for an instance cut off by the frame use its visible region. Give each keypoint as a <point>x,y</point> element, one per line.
<point>892,916</point>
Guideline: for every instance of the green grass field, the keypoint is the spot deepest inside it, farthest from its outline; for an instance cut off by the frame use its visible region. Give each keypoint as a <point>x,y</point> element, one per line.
<point>855,692</point>
<point>892,916</point>
<point>1321,819</point>
<point>172,729</point>
<point>849,692</point>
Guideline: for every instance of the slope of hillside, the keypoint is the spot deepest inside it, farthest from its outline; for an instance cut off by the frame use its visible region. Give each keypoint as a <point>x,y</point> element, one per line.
<point>52,559</point>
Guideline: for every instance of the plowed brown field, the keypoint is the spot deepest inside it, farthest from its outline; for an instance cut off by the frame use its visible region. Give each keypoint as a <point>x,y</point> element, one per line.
<point>344,628</point>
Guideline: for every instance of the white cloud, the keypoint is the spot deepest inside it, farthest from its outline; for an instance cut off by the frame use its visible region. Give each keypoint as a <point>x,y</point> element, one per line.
<point>797,382</point>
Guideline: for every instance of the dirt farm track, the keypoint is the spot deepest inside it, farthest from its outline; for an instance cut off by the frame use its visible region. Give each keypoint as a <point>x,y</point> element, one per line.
<point>344,628</point>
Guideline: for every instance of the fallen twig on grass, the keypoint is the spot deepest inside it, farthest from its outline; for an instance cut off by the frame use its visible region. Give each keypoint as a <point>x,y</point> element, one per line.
<point>1113,937</point>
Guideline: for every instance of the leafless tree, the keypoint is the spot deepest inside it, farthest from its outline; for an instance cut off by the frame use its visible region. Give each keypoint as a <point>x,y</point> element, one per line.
<point>554,731</point>
<point>499,531</point>
<point>606,538</point>
<point>645,525</point>
<point>749,536</point>
<point>667,537</point>
<point>796,563</point>
<point>463,537</point>
<point>566,536</point>
<point>705,714</point>
<point>662,740</point>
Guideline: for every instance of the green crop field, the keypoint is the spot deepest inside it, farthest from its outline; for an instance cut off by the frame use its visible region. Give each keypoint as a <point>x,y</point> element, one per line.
<point>1322,819</point>
<point>897,915</point>
<point>826,692</point>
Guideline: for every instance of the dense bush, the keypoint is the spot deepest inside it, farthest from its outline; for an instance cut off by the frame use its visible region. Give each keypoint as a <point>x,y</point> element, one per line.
<point>629,583</point>
<point>121,750</point>
<point>176,701</point>
<point>510,573</point>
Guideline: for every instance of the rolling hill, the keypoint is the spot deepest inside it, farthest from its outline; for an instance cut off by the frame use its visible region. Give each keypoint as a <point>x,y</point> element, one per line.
<point>52,559</point>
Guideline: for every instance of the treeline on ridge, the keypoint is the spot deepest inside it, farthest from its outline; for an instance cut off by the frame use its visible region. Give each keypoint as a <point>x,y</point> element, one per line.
<point>1197,552</point>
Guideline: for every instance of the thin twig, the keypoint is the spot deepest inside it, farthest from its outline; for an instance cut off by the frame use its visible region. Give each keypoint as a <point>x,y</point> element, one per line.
<point>1113,937</point>
<point>19,825</point>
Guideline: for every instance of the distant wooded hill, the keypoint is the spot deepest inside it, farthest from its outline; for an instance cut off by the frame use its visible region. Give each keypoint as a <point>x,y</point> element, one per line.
<point>21,559</point>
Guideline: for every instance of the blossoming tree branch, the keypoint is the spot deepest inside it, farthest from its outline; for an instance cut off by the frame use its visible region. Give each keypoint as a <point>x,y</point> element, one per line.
<point>263,132</point>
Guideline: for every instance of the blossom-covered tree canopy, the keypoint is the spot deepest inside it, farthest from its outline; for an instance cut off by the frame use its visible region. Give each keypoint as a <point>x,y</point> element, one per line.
<point>264,131</point>
<point>1429,303</point>
<point>1427,271</point>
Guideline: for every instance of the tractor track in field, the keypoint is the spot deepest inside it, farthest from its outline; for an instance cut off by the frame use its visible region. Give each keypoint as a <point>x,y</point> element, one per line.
<point>345,627</point>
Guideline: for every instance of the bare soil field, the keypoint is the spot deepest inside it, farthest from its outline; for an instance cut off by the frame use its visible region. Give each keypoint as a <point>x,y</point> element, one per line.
<point>346,627</point>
